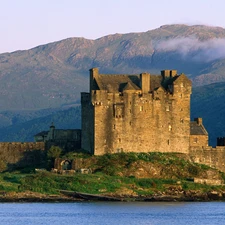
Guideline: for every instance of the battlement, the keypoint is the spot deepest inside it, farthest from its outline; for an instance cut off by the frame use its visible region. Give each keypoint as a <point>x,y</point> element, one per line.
<point>221,141</point>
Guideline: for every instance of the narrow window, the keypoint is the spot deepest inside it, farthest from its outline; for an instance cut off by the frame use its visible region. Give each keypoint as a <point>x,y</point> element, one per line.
<point>141,108</point>
<point>170,127</point>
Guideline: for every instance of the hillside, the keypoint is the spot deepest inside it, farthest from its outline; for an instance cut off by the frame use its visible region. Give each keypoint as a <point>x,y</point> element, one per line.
<point>120,177</point>
<point>206,102</point>
<point>25,131</point>
<point>53,75</point>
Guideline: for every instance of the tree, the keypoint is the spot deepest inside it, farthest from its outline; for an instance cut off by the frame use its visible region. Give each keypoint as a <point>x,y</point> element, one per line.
<point>54,152</point>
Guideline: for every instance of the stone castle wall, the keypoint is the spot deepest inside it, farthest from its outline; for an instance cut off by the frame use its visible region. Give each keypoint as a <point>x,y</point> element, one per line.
<point>213,157</point>
<point>87,140</point>
<point>199,140</point>
<point>137,120</point>
<point>133,123</point>
<point>21,153</point>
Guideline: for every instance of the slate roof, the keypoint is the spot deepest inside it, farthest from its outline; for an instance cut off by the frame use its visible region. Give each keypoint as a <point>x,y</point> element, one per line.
<point>155,82</point>
<point>118,82</point>
<point>42,133</point>
<point>197,129</point>
<point>115,83</point>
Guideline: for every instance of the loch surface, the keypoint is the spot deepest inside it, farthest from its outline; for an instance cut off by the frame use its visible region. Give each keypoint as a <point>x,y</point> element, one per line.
<point>141,213</point>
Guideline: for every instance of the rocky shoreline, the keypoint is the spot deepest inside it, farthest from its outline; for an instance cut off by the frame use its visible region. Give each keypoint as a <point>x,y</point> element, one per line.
<point>188,196</point>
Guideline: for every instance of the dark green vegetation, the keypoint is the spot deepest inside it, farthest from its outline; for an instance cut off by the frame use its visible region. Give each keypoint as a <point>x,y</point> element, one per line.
<point>38,84</point>
<point>116,175</point>
<point>25,131</point>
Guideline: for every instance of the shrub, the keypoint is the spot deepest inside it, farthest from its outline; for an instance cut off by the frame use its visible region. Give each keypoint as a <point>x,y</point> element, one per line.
<point>194,170</point>
<point>147,183</point>
<point>3,166</point>
<point>54,152</point>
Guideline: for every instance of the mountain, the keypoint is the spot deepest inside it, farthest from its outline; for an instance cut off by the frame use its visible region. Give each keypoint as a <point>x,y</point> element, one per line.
<point>40,85</point>
<point>53,75</point>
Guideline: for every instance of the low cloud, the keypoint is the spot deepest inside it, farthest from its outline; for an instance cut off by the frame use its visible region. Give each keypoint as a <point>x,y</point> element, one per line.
<point>208,50</point>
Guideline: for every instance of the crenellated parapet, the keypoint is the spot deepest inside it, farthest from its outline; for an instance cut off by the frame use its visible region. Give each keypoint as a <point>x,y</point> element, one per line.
<point>221,141</point>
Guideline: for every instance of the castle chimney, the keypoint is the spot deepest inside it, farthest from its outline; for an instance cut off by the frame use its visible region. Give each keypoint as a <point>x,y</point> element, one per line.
<point>173,73</point>
<point>168,73</point>
<point>165,73</point>
<point>198,120</point>
<point>52,131</point>
<point>145,82</point>
<point>93,74</point>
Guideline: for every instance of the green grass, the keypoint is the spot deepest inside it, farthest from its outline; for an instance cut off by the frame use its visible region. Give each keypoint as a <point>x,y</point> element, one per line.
<point>49,183</point>
<point>108,176</point>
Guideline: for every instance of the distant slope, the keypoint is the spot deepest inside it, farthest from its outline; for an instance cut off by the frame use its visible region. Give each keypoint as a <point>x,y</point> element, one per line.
<point>8,118</point>
<point>208,103</point>
<point>53,75</point>
<point>22,132</point>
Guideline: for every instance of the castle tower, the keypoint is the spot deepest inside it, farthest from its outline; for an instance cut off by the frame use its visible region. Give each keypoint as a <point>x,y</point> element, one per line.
<point>51,132</point>
<point>139,113</point>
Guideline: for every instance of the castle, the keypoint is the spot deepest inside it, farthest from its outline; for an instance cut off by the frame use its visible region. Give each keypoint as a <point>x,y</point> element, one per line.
<point>139,113</point>
<point>131,113</point>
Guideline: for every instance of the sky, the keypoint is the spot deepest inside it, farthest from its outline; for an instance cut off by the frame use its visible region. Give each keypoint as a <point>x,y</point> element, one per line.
<point>25,24</point>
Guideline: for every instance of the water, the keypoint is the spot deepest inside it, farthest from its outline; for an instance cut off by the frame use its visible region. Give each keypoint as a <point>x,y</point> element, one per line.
<point>112,213</point>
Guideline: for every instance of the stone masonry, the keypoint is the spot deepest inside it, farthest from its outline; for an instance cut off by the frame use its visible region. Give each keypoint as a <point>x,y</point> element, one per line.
<point>145,113</point>
<point>136,113</point>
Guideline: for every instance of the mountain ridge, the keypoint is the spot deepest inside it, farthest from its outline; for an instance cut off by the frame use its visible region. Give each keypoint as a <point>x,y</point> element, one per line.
<point>54,74</point>
<point>47,78</point>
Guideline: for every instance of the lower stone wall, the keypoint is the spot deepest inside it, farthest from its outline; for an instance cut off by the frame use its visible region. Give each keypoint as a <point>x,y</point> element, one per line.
<point>21,154</point>
<point>213,157</point>
<point>208,181</point>
<point>31,153</point>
